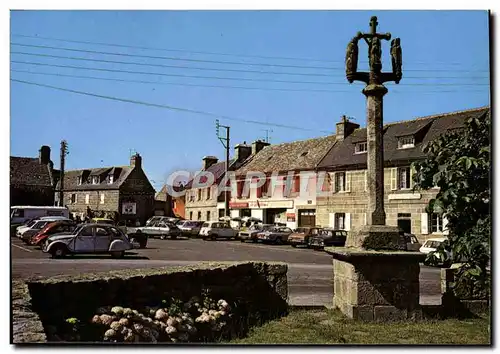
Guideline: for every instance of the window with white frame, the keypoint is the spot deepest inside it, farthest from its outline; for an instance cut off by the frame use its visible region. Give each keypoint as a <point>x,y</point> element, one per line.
<point>73,198</point>
<point>79,180</point>
<point>406,142</point>
<point>110,179</point>
<point>436,223</point>
<point>95,179</point>
<point>361,147</point>
<point>404,177</point>
<point>208,193</point>
<point>102,198</point>
<point>340,182</point>
<point>199,193</point>
<point>340,221</point>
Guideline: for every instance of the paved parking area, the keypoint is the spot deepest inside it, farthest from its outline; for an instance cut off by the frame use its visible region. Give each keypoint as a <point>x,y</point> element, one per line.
<point>310,274</point>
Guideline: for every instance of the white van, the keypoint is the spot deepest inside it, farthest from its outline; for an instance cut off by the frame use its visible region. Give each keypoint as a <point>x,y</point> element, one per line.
<point>21,214</point>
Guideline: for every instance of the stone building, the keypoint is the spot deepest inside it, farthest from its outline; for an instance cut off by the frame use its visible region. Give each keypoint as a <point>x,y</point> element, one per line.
<point>206,204</point>
<point>121,192</point>
<point>345,207</point>
<point>275,201</point>
<point>32,180</point>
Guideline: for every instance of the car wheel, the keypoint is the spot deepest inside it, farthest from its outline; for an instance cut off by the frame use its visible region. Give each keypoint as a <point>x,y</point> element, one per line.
<point>58,252</point>
<point>117,254</point>
<point>204,238</point>
<point>162,237</point>
<point>279,241</point>
<point>242,240</point>
<point>213,237</point>
<point>173,237</point>
<point>294,246</point>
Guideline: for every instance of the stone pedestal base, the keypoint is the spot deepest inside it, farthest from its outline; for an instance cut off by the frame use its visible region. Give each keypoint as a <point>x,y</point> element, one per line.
<point>376,237</point>
<point>376,286</point>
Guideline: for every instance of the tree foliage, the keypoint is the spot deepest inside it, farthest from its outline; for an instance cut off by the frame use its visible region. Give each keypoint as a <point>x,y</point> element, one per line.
<point>458,162</point>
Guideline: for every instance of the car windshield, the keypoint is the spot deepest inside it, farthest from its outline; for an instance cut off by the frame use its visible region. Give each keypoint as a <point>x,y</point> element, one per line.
<point>206,224</point>
<point>256,227</point>
<point>301,230</point>
<point>31,223</point>
<point>77,229</point>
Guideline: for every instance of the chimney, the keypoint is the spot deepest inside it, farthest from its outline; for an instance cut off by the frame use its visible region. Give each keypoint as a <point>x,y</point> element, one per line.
<point>209,161</point>
<point>242,151</point>
<point>44,155</point>
<point>345,128</point>
<point>258,145</point>
<point>136,161</point>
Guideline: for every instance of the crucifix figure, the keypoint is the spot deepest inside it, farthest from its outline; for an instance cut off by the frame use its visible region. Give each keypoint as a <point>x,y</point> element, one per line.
<point>374,92</point>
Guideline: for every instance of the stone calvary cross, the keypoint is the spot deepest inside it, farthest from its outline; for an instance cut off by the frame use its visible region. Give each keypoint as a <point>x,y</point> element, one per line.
<point>374,92</point>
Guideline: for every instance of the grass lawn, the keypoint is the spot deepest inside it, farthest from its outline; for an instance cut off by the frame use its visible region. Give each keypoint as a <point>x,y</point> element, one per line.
<point>331,327</point>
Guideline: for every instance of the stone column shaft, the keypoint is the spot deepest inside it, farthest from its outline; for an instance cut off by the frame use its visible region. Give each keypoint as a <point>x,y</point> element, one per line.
<point>375,155</point>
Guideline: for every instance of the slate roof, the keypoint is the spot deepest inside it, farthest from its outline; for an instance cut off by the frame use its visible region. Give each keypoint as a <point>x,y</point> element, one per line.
<point>120,174</point>
<point>425,129</point>
<point>29,171</point>
<point>292,156</point>
<point>218,170</point>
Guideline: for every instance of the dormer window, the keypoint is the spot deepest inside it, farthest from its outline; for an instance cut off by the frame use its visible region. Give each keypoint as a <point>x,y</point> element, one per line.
<point>110,179</point>
<point>95,179</point>
<point>406,142</point>
<point>79,180</point>
<point>361,148</point>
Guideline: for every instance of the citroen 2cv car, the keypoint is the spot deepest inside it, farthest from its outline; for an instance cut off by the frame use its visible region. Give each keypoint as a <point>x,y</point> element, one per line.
<point>89,238</point>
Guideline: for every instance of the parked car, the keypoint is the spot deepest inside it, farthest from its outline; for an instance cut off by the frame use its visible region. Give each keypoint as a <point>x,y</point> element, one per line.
<point>328,237</point>
<point>25,233</point>
<point>191,228</point>
<point>51,229</point>
<point>160,229</point>
<point>411,242</point>
<point>431,245</point>
<point>276,235</point>
<point>102,221</point>
<point>302,235</point>
<point>253,231</point>
<point>89,238</point>
<point>213,230</point>
<point>21,214</point>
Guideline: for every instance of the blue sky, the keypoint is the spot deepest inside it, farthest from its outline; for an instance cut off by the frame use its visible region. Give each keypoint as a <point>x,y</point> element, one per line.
<point>445,68</point>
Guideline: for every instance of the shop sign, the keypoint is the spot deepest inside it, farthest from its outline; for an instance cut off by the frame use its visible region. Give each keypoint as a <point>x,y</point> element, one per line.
<point>262,204</point>
<point>290,217</point>
<point>236,205</point>
<point>128,208</point>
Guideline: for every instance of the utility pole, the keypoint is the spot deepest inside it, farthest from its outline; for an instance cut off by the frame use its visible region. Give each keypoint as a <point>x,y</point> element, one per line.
<point>64,152</point>
<point>267,134</point>
<point>226,144</point>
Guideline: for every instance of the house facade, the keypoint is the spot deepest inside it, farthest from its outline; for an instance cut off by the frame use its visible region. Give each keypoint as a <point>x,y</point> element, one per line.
<point>206,203</point>
<point>120,192</point>
<point>32,180</point>
<point>285,191</point>
<point>344,207</point>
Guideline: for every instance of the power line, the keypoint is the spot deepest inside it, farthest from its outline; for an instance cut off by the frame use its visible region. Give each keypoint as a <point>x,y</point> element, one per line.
<point>230,78</point>
<point>113,98</point>
<point>219,69</point>
<point>202,52</point>
<point>170,58</point>
<point>215,61</point>
<point>220,86</point>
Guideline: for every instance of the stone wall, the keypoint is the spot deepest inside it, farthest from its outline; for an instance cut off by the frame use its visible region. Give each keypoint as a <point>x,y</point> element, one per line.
<point>260,290</point>
<point>354,203</point>
<point>111,200</point>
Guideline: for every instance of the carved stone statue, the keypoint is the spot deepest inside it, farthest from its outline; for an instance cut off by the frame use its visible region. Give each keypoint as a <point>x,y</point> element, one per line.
<point>397,60</point>
<point>351,59</point>
<point>375,54</point>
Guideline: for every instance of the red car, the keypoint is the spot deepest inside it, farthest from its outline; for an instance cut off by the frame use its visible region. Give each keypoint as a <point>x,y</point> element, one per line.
<point>51,229</point>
